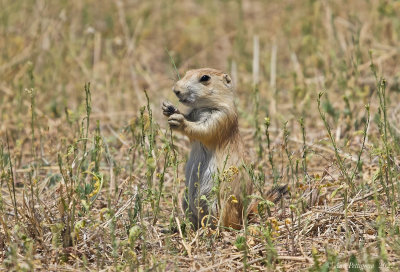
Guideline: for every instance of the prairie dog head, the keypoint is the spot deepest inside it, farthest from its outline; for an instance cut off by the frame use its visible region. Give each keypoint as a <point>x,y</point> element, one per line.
<point>204,87</point>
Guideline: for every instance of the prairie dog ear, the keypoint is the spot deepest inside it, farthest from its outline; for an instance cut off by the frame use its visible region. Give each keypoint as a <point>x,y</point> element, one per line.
<point>227,80</point>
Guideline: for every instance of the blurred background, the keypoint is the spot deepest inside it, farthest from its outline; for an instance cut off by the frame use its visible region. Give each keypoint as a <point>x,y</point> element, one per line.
<point>122,47</point>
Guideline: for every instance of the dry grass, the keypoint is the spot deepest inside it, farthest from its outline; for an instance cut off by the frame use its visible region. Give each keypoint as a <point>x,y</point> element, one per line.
<point>91,178</point>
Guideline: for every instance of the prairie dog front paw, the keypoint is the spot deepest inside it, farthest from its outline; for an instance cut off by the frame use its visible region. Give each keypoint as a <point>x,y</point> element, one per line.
<point>176,121</point>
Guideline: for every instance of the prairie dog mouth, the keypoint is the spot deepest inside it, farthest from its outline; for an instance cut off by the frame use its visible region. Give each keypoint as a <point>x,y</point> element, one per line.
<point>185,100</point>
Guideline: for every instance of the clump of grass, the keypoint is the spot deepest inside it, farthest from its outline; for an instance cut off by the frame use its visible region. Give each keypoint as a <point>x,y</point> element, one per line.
<point>348,177</point>
<point>386,171</point>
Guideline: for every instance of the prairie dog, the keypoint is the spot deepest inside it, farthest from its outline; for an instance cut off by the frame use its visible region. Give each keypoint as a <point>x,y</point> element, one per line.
<point>215,188</point>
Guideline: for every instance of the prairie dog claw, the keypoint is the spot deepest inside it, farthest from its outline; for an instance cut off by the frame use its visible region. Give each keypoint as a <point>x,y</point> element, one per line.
<point>169,109</point>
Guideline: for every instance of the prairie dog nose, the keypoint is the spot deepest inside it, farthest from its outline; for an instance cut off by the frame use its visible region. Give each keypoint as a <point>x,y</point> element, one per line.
<point>177,92</point>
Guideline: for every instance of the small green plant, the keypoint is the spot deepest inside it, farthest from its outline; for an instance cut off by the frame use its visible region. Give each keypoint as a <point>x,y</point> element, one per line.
<point>275,173</point>
<point>286,134</point>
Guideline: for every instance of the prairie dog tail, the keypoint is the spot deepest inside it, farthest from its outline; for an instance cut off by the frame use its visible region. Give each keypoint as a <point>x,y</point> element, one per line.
<point>273,195</point>
<point>276,193</point>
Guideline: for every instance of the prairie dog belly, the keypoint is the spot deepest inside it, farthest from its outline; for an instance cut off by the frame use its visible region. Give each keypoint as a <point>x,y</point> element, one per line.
<point>200,172</point>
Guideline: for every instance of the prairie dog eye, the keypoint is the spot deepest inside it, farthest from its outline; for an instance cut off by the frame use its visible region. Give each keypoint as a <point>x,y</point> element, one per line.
<point>205,78</point>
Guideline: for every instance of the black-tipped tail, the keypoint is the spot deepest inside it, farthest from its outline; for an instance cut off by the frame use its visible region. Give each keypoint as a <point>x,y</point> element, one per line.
<point>276,193</point>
